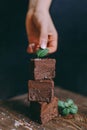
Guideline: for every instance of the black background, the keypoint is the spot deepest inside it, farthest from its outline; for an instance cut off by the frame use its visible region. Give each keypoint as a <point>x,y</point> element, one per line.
<point>70,19</point>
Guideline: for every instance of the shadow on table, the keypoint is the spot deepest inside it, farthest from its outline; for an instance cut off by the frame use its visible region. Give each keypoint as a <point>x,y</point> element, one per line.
<point>21,108</point>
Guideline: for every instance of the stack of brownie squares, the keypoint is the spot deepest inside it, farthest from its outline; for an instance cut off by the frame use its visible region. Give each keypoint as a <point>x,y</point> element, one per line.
<point>43,103</point>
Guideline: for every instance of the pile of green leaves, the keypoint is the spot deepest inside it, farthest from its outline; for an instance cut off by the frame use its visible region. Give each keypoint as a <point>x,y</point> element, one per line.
<point>67,107</point>
<point>42,52</point>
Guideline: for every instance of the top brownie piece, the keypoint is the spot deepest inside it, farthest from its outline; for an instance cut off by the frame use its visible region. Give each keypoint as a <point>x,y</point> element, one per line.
<point>43,68</point>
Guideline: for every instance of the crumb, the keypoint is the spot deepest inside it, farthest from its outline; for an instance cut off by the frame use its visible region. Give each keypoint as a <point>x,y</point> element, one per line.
<point>17,123</point>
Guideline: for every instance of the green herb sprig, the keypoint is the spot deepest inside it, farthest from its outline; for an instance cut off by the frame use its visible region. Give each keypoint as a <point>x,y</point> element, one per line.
<point>42,52</point>
<point>67,107</point>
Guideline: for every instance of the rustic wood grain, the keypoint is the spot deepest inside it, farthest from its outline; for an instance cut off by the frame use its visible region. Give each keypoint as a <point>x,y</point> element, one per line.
<point>14,114</point>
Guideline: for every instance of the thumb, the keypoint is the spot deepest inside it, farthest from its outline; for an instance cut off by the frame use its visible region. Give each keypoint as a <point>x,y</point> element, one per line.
<point>43,36</point>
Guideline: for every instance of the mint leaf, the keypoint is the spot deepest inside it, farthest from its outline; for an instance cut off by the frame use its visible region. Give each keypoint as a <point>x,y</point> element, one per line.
<point>73,111</point>
<point>74,107</point>
<point>70,102</point>
<point>66,111</point>
<point>66,104</point>
<point>42,52</point>
<point>67,107</point>
<point>61,104</point>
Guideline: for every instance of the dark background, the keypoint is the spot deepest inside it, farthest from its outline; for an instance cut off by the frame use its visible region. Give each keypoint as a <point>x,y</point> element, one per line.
<point>70,19</point>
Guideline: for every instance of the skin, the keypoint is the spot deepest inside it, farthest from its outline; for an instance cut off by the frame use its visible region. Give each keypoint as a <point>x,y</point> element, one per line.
<point>40,29</point>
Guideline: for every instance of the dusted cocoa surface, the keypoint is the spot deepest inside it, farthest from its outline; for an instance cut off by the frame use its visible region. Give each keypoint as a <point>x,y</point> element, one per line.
<point>42,112</point>
<point>43,68</point>
<point>40,90</point>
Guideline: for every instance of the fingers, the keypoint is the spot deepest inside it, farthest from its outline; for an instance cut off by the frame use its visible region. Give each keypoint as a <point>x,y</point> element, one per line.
<point>38,30</point>
<point>52,43</point>
<point>41,42</point>
<point>32,48</point>
<point>37,33</point>
<point>43,36</point>
<point>41,23</point>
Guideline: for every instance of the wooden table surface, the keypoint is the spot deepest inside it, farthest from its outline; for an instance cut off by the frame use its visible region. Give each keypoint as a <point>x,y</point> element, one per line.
<point>14,114</point>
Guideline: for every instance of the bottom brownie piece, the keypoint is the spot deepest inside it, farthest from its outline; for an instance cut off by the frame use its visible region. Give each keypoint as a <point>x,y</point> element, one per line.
<point>42,112</point>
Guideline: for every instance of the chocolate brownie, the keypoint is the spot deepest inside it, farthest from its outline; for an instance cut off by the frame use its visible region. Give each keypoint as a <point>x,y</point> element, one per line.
<point>42,112</point>
<point>40,90</point>
<point>43,68</point>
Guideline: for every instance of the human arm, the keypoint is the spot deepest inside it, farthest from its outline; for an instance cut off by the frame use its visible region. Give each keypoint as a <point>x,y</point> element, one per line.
<point>41,32</point>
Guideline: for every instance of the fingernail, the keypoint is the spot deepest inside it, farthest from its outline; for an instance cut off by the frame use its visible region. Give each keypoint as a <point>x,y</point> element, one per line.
<point>32,45</point>
<point>43,44</point>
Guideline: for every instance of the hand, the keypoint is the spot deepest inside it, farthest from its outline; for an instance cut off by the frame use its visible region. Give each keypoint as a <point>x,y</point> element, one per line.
<point>40,31</point>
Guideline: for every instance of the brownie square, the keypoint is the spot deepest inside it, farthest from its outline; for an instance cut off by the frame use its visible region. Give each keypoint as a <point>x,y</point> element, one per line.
<point>43,68</point>
<point>40,90</point>
<point>42,112</point>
